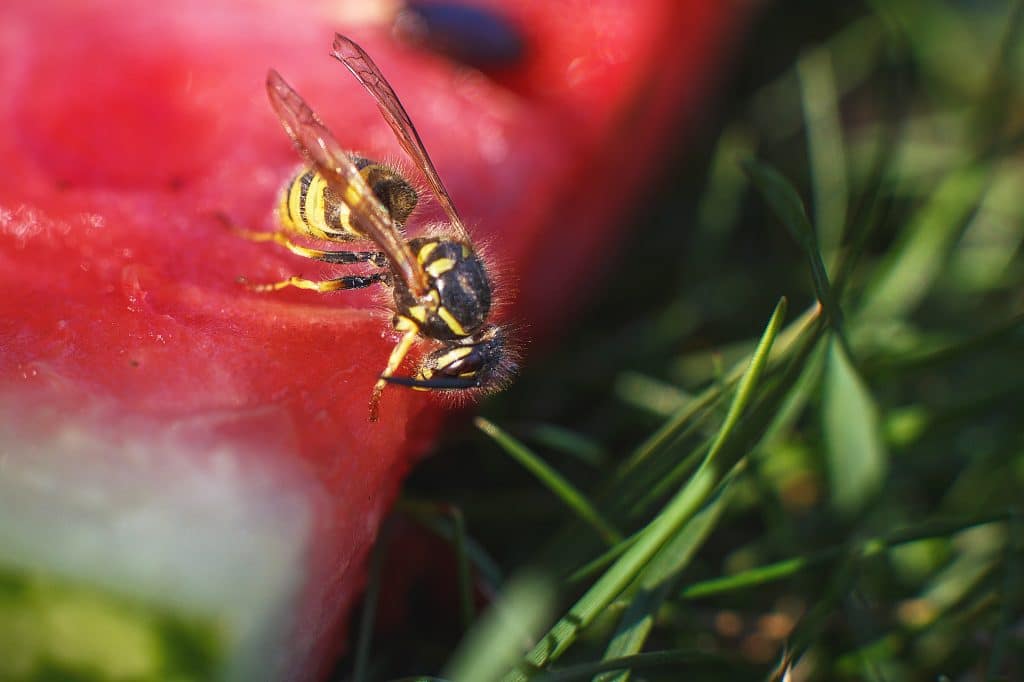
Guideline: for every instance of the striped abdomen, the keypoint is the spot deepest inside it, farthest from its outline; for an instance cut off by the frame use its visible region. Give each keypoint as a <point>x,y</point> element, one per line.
<point>309,207</point>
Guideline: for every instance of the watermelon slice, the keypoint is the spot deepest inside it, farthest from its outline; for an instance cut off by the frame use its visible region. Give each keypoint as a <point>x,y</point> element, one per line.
<point>188,480</point>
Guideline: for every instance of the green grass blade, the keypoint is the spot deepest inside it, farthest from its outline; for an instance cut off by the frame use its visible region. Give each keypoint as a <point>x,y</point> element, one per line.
<point>871,206</point>
<point>495,643</point>
<point>455,532</point>
<point>658,579</point>
<point>676,513</point>
<point>555,482</point>
<point>1011,597</point>
<point>668,481</point>
<point>466,607</point>
<point>745,389</point>
<point>754,577</point>
<point>719,209</point>
<point>602,561</point>
<point>637,488</point>
<point>1005,334</point>
<point>785,202</point>
<point>652,660</point>
<point>986,256</point>
<point>651,395</point>
<point>857,457</point>
<point>993,107</point>
<point>635,626</point>
<point>917,260</point>
<point>841,574</point>
<point>936,37</point>
<point>825,147</point>
<point>440,518</point>
<point>683,418</point>
<point>674,426</point>
<point>569,442</point>
<point>790,568</point>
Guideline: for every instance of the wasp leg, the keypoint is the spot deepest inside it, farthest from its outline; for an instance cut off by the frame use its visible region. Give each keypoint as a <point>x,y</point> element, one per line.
<point>339,257</point>
<point>397,355</point>
<point>346,282</point>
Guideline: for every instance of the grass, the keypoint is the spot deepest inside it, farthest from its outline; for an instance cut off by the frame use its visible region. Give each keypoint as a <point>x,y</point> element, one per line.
<point>720,487</point>
<point>54,629</point>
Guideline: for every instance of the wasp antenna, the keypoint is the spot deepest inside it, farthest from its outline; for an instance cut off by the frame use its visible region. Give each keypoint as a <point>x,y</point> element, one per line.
<point>441,383</point>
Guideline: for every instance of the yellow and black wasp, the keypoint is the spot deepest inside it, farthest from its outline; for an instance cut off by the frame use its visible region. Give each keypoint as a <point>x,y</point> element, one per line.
<point>441,288</point>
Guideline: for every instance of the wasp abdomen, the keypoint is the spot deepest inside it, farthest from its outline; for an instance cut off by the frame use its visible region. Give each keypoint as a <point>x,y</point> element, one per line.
<point>309,206</point>
<point>393,190</point>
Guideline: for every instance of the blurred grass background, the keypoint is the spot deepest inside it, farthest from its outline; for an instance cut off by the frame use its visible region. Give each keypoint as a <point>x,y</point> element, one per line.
<point>786,441</point>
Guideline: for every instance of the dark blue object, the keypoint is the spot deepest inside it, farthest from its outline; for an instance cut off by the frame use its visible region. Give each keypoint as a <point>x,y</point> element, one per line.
<point>472,35</point>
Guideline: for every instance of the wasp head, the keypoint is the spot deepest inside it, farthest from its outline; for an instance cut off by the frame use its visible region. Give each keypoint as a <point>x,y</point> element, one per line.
<point>482,361</point>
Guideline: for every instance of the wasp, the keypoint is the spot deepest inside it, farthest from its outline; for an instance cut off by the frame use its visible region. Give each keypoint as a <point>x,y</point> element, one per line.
<point>441,289</point>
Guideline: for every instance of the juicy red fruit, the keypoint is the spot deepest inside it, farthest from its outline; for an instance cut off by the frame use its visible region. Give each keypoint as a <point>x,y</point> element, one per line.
<point>126,128</point>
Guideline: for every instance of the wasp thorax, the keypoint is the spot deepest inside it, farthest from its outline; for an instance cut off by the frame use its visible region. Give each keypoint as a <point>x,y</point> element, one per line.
<point>459,291</point>
<point>388,185</point>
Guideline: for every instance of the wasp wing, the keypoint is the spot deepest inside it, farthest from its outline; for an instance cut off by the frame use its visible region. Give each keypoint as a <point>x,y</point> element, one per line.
<point>315,142</point>
<point>368,73</point>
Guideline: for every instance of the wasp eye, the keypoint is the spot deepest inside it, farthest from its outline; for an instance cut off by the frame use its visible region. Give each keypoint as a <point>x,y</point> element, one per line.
<point>459,361</point>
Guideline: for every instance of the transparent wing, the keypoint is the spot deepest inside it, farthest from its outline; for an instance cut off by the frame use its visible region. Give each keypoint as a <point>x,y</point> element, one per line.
<point>368,73</point>
<point>315,142</point>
